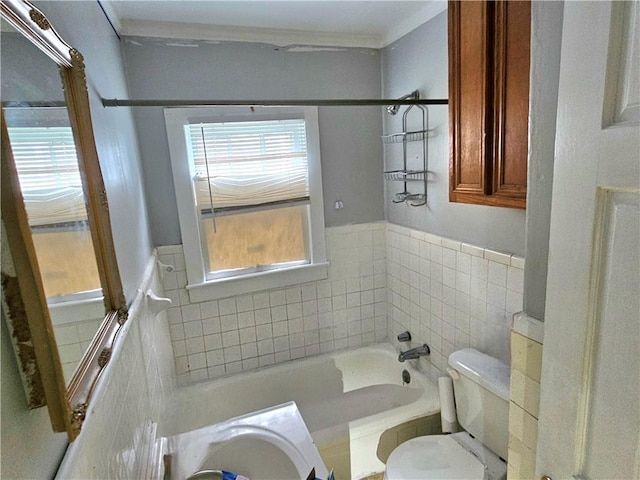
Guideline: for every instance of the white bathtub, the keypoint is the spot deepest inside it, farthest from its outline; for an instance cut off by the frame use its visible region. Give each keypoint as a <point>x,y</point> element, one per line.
<point>350,394</point>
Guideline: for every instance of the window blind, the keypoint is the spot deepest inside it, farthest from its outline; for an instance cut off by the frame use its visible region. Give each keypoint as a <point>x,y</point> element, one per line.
<point>49,176</point>
<point>249,163</point>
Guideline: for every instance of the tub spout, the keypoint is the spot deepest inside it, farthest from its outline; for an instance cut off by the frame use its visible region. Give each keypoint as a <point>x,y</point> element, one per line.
<point>414,353</point>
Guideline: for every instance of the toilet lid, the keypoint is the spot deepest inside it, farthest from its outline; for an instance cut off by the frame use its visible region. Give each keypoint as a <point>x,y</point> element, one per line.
<point>434,457</point>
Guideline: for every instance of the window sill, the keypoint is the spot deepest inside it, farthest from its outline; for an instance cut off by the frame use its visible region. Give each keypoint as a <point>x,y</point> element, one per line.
<point>76,311</point>
<point>256,282</point>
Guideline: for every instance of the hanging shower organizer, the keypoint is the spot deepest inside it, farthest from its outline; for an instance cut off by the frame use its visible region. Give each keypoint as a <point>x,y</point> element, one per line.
<point>405,137</point>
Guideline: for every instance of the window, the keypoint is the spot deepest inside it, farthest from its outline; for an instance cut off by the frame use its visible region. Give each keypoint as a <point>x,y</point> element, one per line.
<point>45,156</point>
<point>249,192</point>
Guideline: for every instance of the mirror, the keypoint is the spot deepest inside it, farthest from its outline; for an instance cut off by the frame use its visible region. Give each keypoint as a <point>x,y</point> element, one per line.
<point>62,293</point>
<point>45,157</point>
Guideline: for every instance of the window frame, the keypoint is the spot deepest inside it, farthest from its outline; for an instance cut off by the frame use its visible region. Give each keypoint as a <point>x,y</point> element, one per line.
<point>199,287</point>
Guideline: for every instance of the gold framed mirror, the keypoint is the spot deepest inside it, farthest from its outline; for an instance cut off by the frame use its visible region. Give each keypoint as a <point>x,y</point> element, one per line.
<point>58,257</point>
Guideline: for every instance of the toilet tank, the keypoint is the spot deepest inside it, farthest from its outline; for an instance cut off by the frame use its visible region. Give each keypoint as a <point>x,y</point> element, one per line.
<point>481,390</point>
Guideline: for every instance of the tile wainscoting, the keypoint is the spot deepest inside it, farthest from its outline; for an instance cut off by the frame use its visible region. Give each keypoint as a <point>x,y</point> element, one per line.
<point>526,366</point>
<point>376,268</point>
<point>448,294</point>
<point>73,339</point>
<point>118,436</point>
<point>348,309</point>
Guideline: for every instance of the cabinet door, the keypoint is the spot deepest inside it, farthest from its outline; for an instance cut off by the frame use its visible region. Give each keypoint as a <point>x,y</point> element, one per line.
<point>511,101</point>
<point>489,45</point>
<point>470,87</point>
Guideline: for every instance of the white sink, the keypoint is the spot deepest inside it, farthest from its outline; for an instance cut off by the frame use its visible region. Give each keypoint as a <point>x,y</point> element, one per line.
<point>270,444</point>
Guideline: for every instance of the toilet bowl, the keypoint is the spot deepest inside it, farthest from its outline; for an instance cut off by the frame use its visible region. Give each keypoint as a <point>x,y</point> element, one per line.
<point>444,457</point>
<point>273,443</point>
<point>481,390</point>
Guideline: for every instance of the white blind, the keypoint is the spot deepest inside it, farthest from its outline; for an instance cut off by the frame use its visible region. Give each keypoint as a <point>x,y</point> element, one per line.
<point>249,163</point>
<point>47,167</point>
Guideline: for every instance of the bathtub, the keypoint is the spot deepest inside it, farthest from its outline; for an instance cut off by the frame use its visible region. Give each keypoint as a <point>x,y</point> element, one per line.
<point>347,396</point>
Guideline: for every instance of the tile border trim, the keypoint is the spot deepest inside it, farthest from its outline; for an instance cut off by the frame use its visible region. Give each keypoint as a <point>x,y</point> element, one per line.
<point>528,326</point>
<point>495,256</point>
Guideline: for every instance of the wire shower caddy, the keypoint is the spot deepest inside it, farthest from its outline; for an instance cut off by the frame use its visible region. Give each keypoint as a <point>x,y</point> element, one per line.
<point>406,175</point>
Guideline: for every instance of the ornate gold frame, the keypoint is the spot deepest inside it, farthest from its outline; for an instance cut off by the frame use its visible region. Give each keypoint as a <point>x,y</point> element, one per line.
<point>42,369</point>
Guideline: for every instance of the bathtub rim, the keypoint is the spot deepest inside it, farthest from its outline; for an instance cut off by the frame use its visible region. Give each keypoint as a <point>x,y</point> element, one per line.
<point>386,347</point>
<point>427,404</point>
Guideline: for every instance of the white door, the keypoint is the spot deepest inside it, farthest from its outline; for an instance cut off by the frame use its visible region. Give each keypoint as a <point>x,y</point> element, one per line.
<point>589,423</point>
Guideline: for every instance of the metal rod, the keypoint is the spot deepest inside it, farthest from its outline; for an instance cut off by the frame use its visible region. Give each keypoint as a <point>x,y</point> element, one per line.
<point>114,102</point>
<point>39,104</point>
<point>393,109</point>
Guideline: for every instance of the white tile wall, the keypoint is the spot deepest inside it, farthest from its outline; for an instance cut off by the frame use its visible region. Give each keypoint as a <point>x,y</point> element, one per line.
<point>450,295</point>
<point>117,437</point>
<point>73,339</point>
<point>348,309</point>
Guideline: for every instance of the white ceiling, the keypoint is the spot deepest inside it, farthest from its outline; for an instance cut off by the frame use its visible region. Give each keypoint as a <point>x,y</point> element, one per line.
<point>362,23</point>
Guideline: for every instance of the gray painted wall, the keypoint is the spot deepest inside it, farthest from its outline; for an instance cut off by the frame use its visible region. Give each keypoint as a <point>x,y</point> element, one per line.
<point>419,61</point>
<point>349,137</point>
<point>27,73</point>
<point>29,448</point>
<point>84,26</point>
<point>546,38</point>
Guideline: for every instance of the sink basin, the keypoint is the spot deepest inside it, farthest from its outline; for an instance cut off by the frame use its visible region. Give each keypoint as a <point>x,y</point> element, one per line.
<point>270,444</point>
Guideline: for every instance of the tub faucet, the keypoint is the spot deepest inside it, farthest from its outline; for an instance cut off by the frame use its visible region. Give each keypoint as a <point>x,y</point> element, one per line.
<point>414,353</point>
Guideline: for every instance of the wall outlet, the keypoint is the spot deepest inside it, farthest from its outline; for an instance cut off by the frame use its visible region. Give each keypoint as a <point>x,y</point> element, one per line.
<point>339,204</point>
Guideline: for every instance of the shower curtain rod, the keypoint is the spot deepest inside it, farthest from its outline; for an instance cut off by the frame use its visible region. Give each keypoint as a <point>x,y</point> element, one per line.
<point>38,104</point>
<point>114,102</point>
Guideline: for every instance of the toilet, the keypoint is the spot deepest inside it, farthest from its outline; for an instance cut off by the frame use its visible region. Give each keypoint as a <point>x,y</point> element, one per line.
<point>481,390</point>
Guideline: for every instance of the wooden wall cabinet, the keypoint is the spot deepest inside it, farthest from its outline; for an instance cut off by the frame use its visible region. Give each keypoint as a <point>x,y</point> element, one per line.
<point>489,44</point>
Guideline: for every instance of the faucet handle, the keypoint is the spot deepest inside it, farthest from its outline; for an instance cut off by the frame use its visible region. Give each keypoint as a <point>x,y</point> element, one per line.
<point>404,337</point>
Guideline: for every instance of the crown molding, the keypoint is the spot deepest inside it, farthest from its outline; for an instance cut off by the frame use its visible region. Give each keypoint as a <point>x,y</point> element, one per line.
<point>225,33</point>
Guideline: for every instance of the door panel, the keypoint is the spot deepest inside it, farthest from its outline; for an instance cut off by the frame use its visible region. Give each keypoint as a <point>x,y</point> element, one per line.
<point>590,392</point>
<point>513,45</point>
<point>611,401</point>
